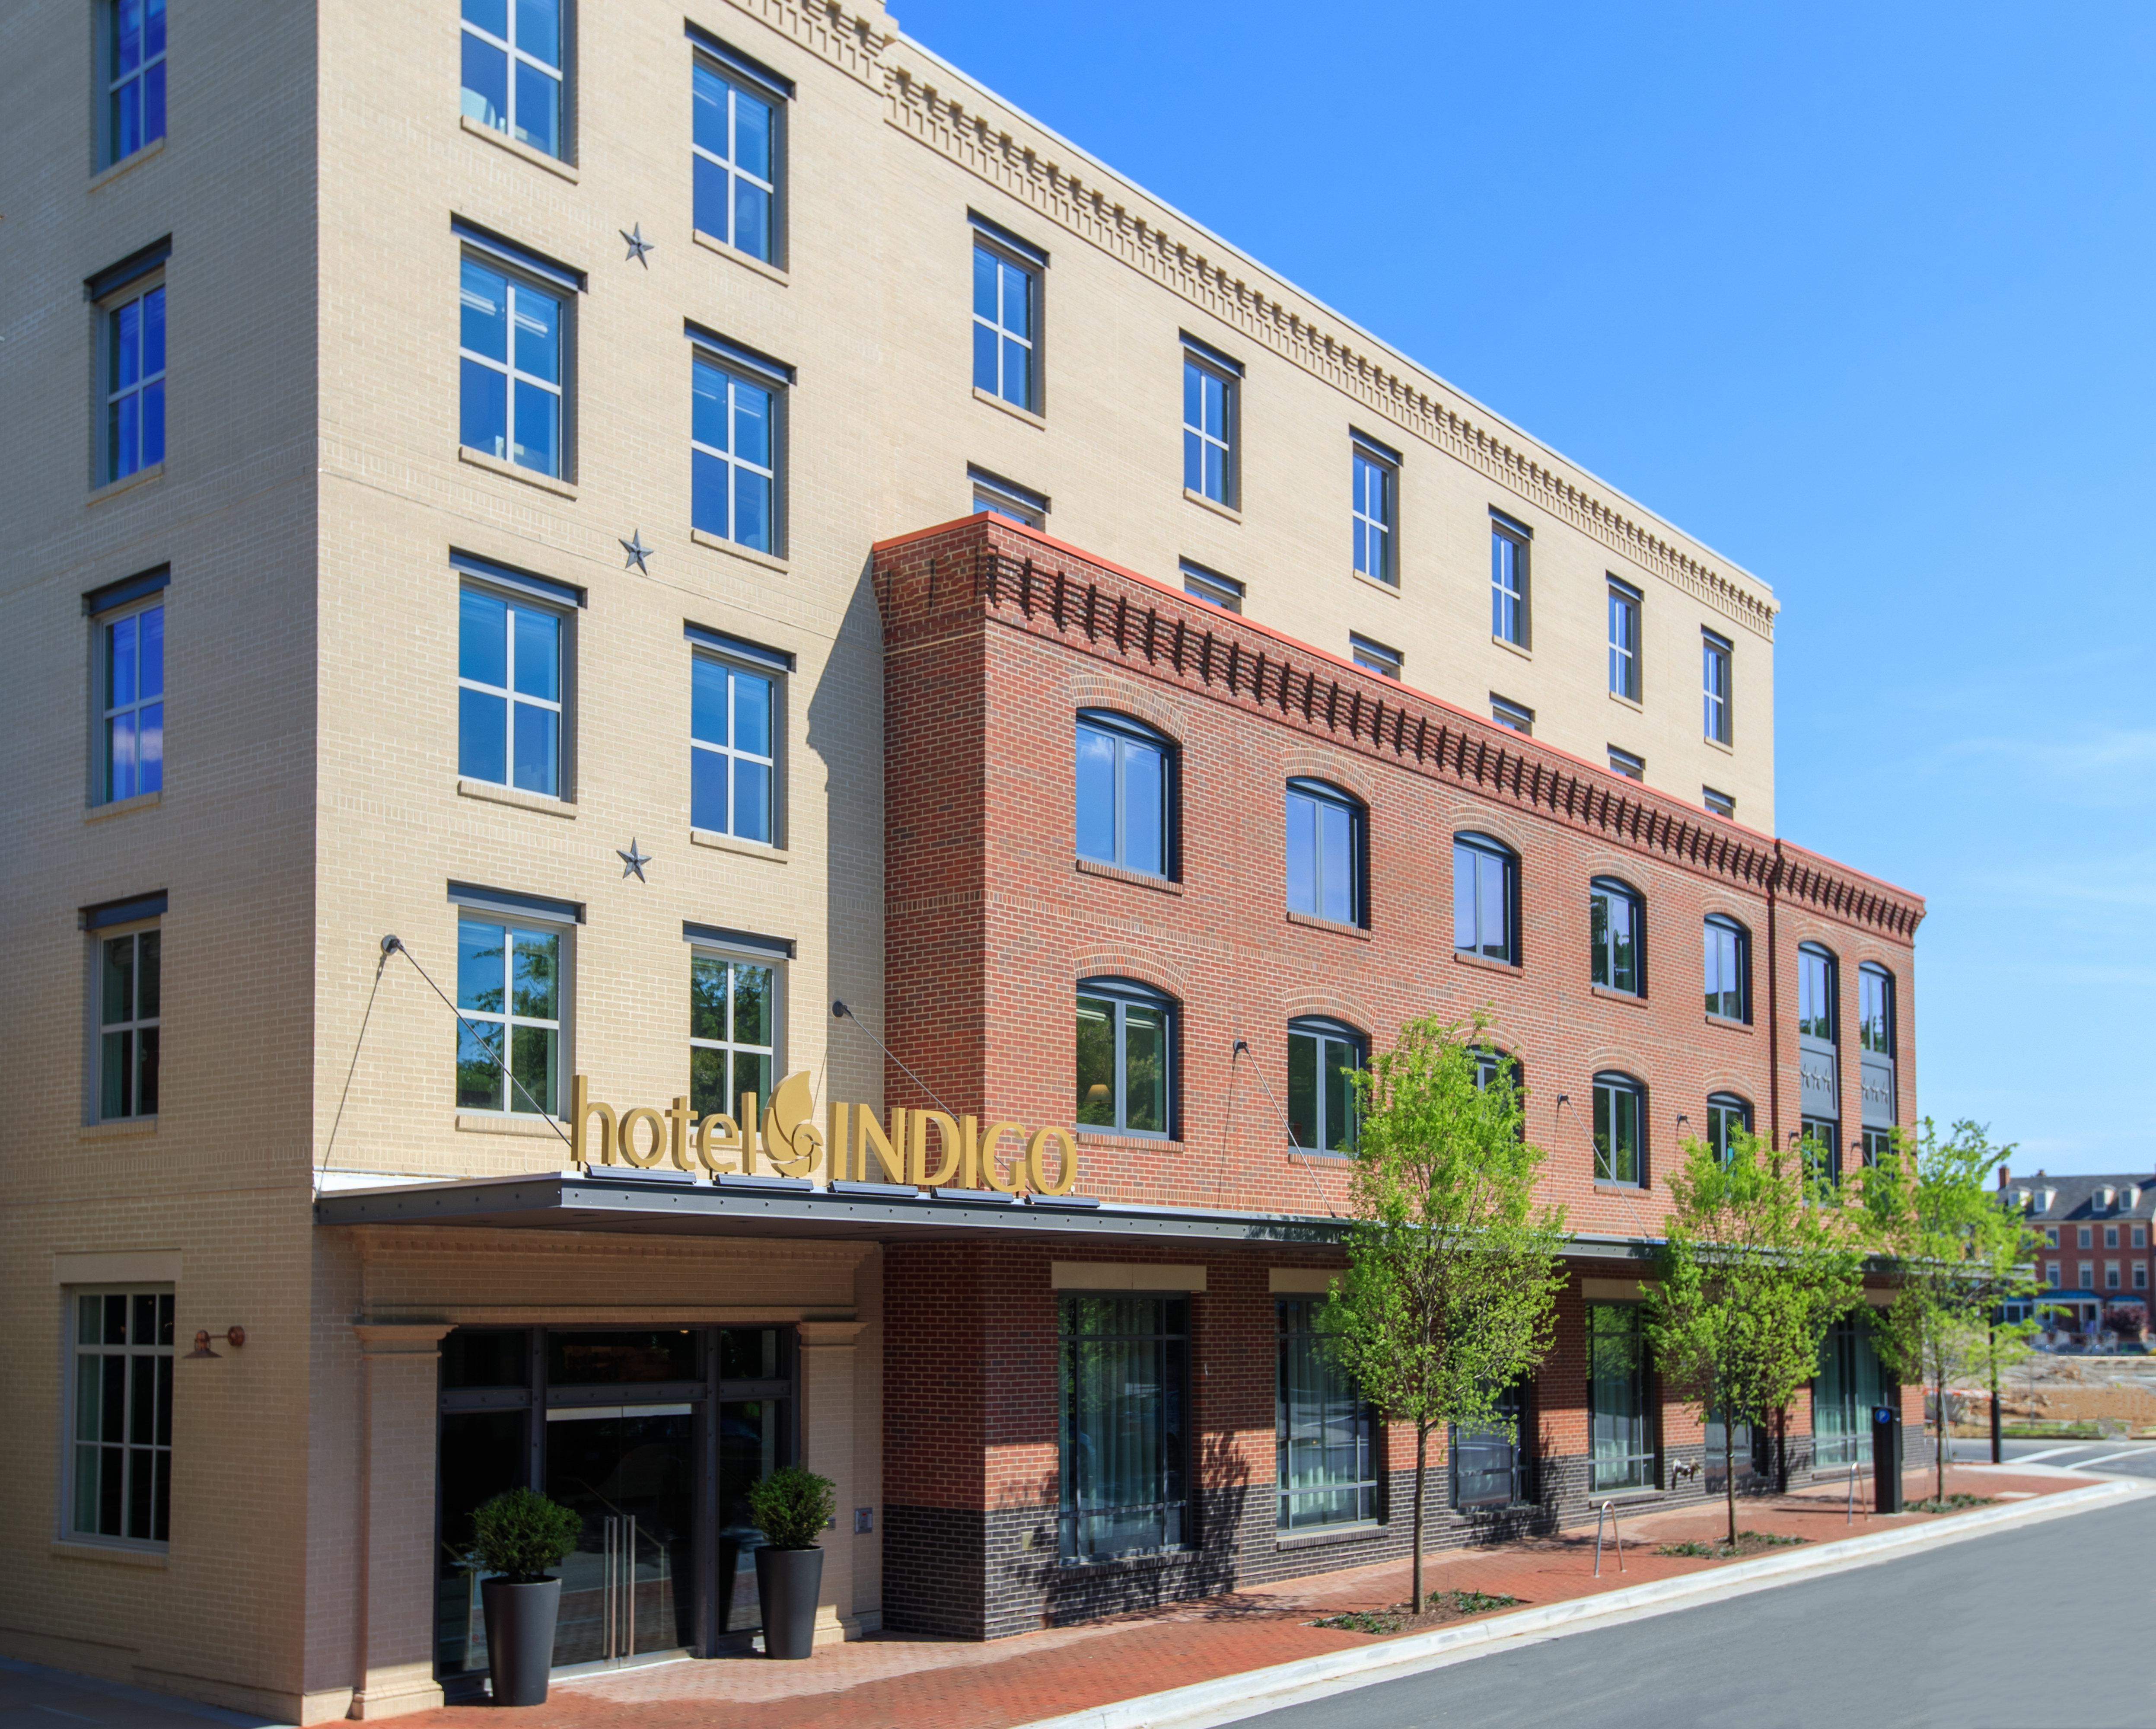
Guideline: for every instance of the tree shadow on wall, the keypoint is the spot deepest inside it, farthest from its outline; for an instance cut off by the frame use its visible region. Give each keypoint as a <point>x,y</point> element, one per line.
<point>1206,1566</point>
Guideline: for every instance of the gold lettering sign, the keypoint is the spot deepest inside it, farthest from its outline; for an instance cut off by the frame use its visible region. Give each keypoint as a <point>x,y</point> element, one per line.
<point>856,1146</point>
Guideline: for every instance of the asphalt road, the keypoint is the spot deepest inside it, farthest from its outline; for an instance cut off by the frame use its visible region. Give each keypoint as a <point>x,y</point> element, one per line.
<point>2045,1627</point>
<point>2134,1459</point>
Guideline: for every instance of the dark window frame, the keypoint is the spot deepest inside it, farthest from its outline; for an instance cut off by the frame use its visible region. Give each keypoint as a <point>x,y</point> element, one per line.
<point>1615,1084</point>
<point>1606,893</point>
<point>1488,847</point>
<point>1124,994</point>
<point>1126,730</point>
<point>1326,793</point>
<point>1177,1520</point>
<point>1721,1109</point>
<point>1740,942</point>
<point>1327,1029</point>
<point>1368,1487</point>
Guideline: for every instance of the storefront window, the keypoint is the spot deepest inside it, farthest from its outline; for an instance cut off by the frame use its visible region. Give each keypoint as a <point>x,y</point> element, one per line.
<point>1324,1431</point>
<point>1619,1434</point>
<point>1124,1428</point>
<point>1487,1465</point>
<point>1851,1383</point>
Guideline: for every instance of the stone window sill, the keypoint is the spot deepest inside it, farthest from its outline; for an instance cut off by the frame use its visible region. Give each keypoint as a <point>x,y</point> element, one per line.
<point>515,797</point>
<point>1627,1497</point>
<point>1314,923</point>
<point>155,148</point>
<point>1604,1185</point>
<point>1137,879</point>
<point>728,843</point>
<point>719,544</point>
<point>1636,999</point>
<point>1511,968</point>
<point>1360,1532</point>
<point>1012,409</point>
<point>1106,1138</point>
<point>1512,647</point>
<point>119,1129</point>
<point>120,807</point>
<point>1151,1561</point>
<point>1717,744</point>
<point>62,1550</point>
<point>522,152</point>
<point>1625,701</point>
<point>1382,586</point>
<point>528,1128</point>
<point>1218,509</point>
<point>746,260</point>
<point>515,471</point>
<point>126,483</point>
<point>1729,1026</point>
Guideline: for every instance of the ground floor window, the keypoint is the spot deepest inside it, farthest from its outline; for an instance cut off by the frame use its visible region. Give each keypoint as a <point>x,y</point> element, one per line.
<point>1619,1434</point>
<point>1850,1383</point>
<point>1326,1436</point>
<point>119,1462</point>
<point>1744,1448</point>
<point>653,1436</point>
<point>1489,1465</point>
<point>1124,1424</point>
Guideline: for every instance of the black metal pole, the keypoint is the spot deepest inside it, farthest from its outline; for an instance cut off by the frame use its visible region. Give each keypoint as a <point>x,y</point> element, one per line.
<point>1998,1441</point>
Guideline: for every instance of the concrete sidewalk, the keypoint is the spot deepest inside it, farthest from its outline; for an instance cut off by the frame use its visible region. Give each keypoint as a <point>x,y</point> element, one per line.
<point>1169,1666</point>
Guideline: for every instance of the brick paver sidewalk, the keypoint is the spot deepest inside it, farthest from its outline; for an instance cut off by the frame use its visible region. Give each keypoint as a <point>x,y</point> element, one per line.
<point>897,1681</point>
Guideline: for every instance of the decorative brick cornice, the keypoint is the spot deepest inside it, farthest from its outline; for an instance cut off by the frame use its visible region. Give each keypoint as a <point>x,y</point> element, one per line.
<point>987,569</point>
<point>960,128</point>
<point>853,39</point>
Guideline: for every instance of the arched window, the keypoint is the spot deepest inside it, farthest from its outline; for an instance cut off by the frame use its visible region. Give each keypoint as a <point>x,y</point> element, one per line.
<point>1485,899</point>
<point>1817,987</point>
<point>1728,1116</point>
<point>1728,967</point>
<point>1322,1054</point>
<point>1325,858</point>
<point>1617,936</point>
<point>1126,794</point>
<point>1126,1058</point>
<point>1620,1129</point>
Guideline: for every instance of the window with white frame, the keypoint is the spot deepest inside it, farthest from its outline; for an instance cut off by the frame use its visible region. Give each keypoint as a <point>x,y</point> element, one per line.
<point>512,70</point>
<point>1625,605</point>
<point>1516,716</point>
<point>1210,389</point>
<point>130,688</point>
<point>734,144</point>
<point>1629,763</point>
<point>134,382</point>
<point>1006,323</point>
<point>1715,654</point>
<point>510,1006</point>
<point>510,355</point>
<point>1210,586</point>
<point>120,1416</point>
<point>130,1021</point>
<point>733,761</point>
<point>1718,803</point>
<point>733,459</point>
<point>134,31</point>
<point>509,691</point>
<point>1509,542</point>
<point>1374,499</point>
<point>733,1031</point>
<point>1374,656</point>
<point>2087,1281</point>
<point>2051,1274</point>
<point>2141,1275</point>
<point>1007,499</point>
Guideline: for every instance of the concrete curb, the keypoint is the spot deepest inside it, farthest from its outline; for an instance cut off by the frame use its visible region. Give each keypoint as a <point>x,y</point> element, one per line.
<point>1232,1698</point>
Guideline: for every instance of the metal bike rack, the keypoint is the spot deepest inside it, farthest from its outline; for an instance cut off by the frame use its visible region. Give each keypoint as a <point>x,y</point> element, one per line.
<point>1608,1512</point>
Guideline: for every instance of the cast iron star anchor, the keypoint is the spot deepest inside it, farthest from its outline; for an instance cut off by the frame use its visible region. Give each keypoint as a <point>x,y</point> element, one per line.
<point>634,861</point>
<point>638,245</point>
<point>637,550</point>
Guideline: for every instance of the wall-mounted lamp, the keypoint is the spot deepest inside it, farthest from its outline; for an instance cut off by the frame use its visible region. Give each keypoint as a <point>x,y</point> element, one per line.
<point>1564,1100</point>
<point>233,1337</point>
<point>1682,1118</point>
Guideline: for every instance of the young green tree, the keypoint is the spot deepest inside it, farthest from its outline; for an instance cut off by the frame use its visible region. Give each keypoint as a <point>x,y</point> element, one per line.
<point>1452,1272</point>
<point>1755,1267</point>
<point>1957,1256</point>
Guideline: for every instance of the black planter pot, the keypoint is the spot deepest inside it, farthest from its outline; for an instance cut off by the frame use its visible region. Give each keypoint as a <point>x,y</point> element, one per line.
<point>520,1637</point>
<point>787,1581</point>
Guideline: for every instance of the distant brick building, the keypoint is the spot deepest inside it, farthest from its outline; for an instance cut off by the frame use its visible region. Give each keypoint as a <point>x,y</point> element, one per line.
<point>2095,1255</point>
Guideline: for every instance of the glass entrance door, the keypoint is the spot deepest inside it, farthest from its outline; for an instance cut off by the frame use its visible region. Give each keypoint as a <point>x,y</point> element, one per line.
<point>1850,1384</point>
<point>629,1472</point>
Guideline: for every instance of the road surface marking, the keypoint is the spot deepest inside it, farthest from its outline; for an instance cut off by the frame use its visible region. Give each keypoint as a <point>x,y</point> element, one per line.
<point>2086,1463</point>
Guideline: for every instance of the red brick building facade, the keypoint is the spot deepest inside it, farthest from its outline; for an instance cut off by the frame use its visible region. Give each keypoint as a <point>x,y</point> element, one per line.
<point>995,639</point>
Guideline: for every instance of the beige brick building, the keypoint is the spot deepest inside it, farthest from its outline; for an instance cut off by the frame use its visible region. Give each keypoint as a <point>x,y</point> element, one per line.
<point>440,464</point>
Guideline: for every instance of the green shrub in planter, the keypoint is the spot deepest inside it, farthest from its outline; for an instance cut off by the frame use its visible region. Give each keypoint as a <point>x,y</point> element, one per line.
<point>790,1507</point>
<point>520,1534</point>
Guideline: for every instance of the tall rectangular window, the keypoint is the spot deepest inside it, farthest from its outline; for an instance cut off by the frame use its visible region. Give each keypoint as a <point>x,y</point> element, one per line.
<point>130,1018</point>
<point>1727,1117</point>
<point>1322,1056</point>
<point>1728,968</point>
<point>509,344</point>
<point>1485,895</point>
<point>733,1032</point>
<point>134,383</point>
<point>1625,604</point>
<point>134,76</point>
<point>509,692</point>
<point>1125,793</point>
<point>1716,653</point>
<point>1125,1054</point>
<point>1209,430</point>
<point>1619,1435</point>
<point>1325,1437</point>
<point>1375,503</point>
<point>1617,937</point>
<point>1124,1425</point>
<point>1874,1011</point>
<point>734,142</point>
<point>733,761</point>
<point>120,1416</point>
<point>132,689</point>
<point>1819,1139</point>
<point>512,70</point>
<point>1325,843</point>
<point>1006,296</point>
<point>733,456</point>
<point>509,990</point>
<point>1620,1130</point>
<point>1816,1016</point>
<point>1509,542</point>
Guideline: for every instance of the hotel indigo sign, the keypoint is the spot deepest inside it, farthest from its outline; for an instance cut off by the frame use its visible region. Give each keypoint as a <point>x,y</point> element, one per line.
<point>857,1146</point>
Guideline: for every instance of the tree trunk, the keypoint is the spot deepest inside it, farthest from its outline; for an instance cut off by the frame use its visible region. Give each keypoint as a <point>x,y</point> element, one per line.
<point>1414,1573</point>
<point>1729,1470</point>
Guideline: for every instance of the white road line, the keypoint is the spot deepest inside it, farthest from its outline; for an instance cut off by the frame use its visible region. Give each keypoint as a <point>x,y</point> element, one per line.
<point>2029,1458</point>
<point>2086,1463</point>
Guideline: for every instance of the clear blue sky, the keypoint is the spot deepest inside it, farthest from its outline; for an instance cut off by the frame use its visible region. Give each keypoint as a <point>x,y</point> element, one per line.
<point>1861,297</point>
